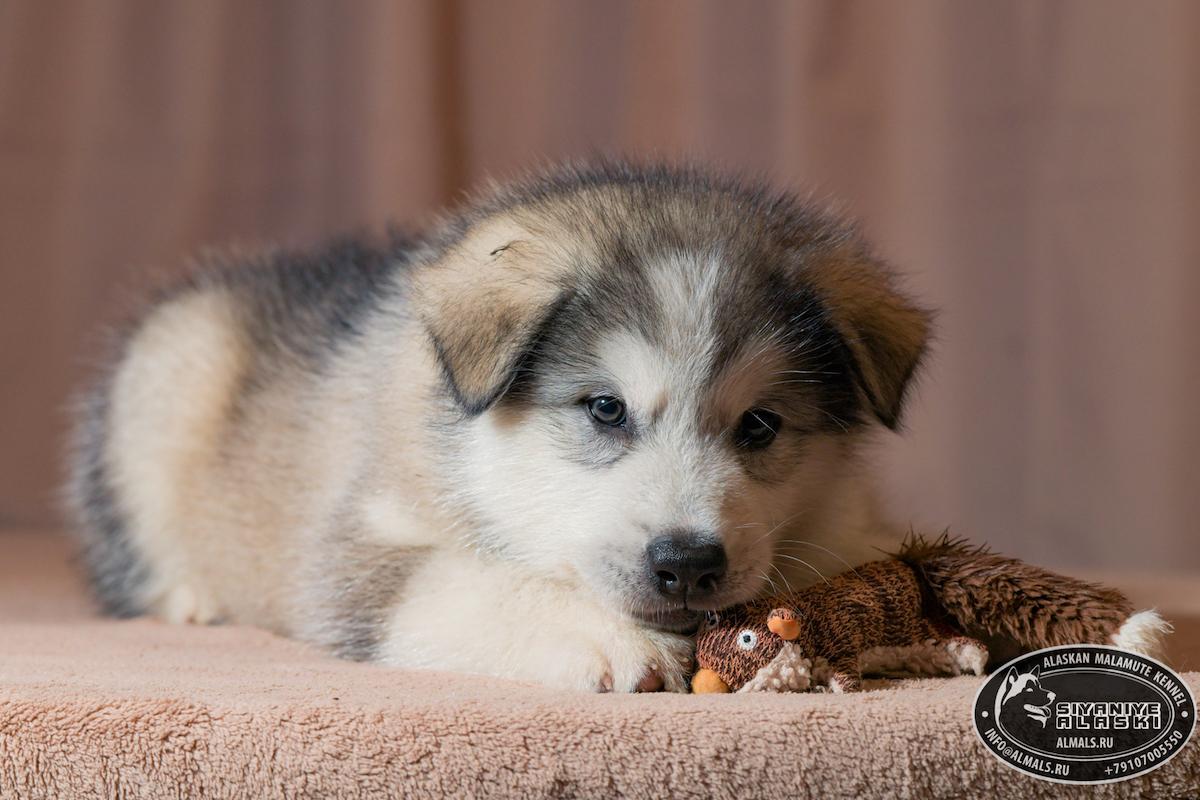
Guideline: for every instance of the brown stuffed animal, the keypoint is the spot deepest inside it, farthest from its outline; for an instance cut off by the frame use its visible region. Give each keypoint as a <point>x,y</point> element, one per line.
<point>923,612</point>
<point>871,619</point>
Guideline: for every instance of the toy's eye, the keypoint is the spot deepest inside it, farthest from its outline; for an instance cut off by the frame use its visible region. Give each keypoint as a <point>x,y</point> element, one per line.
<point>747,639</point>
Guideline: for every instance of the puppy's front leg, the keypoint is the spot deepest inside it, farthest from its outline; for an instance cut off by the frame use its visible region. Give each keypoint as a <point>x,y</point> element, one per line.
<point>459,612</point>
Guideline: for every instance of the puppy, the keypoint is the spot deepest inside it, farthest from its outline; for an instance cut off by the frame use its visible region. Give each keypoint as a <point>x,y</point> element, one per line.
<point>538,442</point>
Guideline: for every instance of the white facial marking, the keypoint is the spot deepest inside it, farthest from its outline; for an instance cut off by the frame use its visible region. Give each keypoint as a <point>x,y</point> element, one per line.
<point>554,490</point>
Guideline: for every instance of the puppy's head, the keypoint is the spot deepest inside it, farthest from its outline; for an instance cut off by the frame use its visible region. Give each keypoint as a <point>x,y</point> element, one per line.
<point>656,374</point>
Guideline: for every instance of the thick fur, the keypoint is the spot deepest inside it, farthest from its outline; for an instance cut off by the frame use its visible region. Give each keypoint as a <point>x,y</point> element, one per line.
<point>1018,607</point>
<point>385,447</point>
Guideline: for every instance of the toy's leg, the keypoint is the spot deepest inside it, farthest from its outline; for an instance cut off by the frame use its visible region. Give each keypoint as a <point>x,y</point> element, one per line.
<point>844,676</point>
<point>462,613</point>
<point>930,658</point>
<point>844,683</point>
<point>970,655</point>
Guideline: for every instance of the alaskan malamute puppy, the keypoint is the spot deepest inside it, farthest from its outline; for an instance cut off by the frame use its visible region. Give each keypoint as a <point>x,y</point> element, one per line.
<point>537,443</point>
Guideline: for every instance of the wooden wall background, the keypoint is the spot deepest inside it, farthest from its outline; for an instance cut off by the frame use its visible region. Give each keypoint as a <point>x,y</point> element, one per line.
<point>1034,166</point>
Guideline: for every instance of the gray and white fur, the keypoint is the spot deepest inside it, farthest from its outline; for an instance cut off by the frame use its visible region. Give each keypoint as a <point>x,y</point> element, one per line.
<point>410,451</point>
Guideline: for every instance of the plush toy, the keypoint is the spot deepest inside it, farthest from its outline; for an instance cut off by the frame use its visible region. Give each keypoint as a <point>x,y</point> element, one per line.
<point>925,611</point>
<point>871,619</point>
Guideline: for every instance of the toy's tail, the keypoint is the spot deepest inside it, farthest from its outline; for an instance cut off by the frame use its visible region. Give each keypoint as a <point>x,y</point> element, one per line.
<point>1020,607</point>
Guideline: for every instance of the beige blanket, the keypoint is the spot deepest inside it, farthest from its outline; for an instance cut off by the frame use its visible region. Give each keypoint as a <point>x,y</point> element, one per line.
<point>92,707</point>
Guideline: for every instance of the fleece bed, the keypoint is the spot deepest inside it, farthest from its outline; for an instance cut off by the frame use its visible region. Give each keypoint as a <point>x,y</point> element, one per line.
<point>93,707</point>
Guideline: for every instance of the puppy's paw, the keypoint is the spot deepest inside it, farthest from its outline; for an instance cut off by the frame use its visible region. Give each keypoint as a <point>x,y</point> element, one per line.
<point>538,630</point>
<point>640,660</point>
<point>181,605</point>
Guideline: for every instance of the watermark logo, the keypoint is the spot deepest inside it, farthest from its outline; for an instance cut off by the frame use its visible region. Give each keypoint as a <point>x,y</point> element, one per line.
<point>1084,714</point>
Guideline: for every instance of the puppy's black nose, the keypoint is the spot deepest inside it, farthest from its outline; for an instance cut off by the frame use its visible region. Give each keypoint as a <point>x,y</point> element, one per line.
<point>686,565</point>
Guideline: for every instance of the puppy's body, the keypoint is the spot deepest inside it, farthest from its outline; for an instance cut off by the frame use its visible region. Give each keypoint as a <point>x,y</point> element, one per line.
<point>396,451</point>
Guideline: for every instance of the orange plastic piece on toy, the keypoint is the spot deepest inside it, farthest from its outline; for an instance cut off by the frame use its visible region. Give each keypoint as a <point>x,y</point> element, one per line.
<point>783,623</point>
<point>705,681</point>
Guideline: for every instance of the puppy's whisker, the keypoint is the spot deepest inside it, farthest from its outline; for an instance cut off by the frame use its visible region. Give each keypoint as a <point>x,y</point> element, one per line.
<point>820,574</point>
<point>841,423</point>
<point>748,361</point>
<point>777,527</point>
<point>846,563</point>
<point>783,577</point>
<point>804,372</point>
<point>759,539</point>
<point>767,578</point>
<point>793,380</point>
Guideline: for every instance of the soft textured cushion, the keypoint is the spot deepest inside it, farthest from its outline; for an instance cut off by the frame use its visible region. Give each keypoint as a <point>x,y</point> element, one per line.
<point>98,707</point>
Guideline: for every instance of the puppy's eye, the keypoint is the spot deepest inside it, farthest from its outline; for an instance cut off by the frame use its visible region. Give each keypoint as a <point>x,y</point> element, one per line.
<point>758,428</point>
<point>607,411</point>
<point>747,639</point>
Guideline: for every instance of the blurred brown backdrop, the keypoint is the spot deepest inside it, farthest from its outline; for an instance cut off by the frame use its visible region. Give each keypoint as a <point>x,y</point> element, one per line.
<point>1034,166</point>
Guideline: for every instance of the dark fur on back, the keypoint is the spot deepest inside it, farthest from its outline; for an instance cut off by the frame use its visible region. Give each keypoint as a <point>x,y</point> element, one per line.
<point>116,571</point>
<point>295,304</point>
<point>996,597</point>
<point>302,303</point>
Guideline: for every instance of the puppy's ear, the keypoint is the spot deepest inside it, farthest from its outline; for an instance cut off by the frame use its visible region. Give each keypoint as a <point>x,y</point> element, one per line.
<point>887,333</point>
<point>485,303</point>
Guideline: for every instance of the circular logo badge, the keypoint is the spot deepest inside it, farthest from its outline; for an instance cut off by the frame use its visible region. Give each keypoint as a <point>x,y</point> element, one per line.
<point>1084,714</point>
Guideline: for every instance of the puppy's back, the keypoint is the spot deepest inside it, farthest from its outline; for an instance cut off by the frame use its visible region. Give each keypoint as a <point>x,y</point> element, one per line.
<point>183,471</point>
